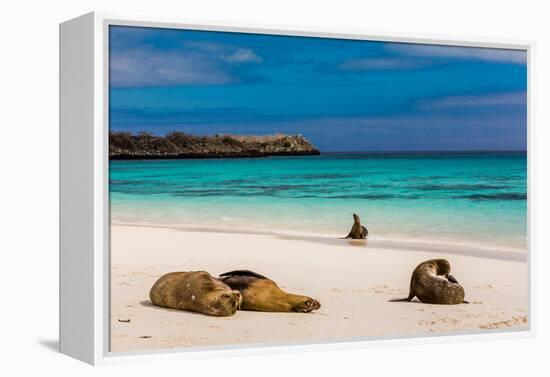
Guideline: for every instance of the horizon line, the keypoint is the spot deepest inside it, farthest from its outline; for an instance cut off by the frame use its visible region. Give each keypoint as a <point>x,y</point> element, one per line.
<point>431,151</point>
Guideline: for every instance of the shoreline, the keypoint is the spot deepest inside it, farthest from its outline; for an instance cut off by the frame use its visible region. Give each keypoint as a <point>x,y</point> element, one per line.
<point>210,156</point>
<point>353,282</point>
<point>435,246</point>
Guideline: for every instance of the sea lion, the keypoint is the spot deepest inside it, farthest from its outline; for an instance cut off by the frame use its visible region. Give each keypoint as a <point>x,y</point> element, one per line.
<point>358,231</point>
<point>262,294</point>
<point>195,291</point>
<point>432,284</point>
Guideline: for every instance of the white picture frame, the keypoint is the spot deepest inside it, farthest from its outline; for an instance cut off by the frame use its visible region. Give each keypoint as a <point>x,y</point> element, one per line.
<point>84,204</point>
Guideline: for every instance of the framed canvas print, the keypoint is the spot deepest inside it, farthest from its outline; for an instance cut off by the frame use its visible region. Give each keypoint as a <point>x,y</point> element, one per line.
<point>225,188</point>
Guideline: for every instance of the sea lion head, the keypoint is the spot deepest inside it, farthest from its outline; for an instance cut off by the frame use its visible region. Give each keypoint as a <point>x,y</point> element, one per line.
<point>304,304</point>
<point>356,218</point>
<point>442,267</point>
<point>224,303</point>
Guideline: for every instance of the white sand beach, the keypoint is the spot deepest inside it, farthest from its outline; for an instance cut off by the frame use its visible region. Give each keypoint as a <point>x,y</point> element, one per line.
<point>352,280</point>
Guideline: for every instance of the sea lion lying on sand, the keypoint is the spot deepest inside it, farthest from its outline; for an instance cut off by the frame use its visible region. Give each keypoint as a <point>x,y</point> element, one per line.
<point>262,294</point>
<point>432,284</point>
<point>358,231</point>
<point>195,291</point>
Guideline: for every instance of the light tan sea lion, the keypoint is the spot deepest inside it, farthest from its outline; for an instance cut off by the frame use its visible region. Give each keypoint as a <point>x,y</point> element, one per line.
<point>357,232</point>
<point>262,294</point>
<point>195,291</point>
<point>432,284</point>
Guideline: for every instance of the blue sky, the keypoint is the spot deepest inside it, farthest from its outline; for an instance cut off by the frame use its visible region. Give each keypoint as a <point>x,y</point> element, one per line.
<point>343,95</point>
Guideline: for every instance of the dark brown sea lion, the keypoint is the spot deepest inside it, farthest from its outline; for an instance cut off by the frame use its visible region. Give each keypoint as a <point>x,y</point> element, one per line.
<point>432,283</point>
<point>195,291</point>
<point>358,231</point>
<point>262,294</point>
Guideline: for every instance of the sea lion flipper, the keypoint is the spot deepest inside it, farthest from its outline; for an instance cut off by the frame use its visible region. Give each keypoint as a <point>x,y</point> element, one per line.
<point>243,273</point>
<point>406,299</point>
<point>452,279</point>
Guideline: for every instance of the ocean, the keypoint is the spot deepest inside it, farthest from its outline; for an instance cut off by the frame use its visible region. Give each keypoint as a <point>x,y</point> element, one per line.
<point>469,200</point>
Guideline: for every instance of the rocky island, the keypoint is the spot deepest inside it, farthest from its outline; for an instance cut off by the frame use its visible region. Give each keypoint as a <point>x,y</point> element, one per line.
<point>127,146</point>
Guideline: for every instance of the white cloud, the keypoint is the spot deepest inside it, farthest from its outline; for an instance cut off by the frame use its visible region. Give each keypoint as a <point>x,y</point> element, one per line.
<point>243,55</point>
<point>194,63</point>
<point>374,64</point>
<point>498,99</point>
<point>153,67</point>
<point>471,53</point>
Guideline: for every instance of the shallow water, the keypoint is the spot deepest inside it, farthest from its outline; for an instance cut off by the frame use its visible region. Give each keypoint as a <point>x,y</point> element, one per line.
<point>471,199</point>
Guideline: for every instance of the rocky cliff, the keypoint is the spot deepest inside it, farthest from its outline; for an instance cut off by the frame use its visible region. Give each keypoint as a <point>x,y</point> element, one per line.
<point>126,146</point>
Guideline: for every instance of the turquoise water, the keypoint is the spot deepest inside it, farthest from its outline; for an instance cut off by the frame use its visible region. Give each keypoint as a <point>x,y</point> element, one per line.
<point>476,199</point>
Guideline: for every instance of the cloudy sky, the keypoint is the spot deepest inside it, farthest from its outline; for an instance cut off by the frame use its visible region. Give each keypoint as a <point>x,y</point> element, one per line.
<point>343,95</point>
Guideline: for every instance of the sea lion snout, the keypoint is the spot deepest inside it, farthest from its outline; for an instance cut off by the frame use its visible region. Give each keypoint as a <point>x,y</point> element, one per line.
<point>313,304</point>
<point>237,299</point>
<point>307,306</point>
<point>233,295</point>
<point>229,302</point>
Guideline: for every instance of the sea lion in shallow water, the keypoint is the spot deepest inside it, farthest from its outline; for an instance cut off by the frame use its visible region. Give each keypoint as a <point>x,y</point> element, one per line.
<point>262,294</point>
<point>358,231</point>
<point>195,291</point>
<point>432,283</point>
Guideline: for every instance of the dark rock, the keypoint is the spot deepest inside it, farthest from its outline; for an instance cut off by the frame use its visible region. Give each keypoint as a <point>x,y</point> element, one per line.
<point>178,145</point>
